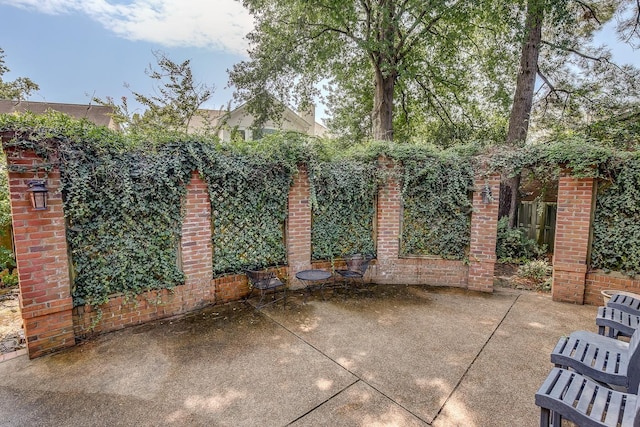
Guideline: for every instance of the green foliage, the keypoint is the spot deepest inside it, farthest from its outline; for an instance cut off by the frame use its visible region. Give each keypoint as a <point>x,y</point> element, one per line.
<point>343,197</point>
<point>17,89</point>
<point>384,64</point>
<point>249,207</point>
<point>436,198</point>
<point>5,203</point>
<point>174,107</point>
<point>513,244</point>
<point>124,218</point>
<point>8,271</point>
<point>535,270</point>
<point>616,226</point>
<point>123,202</point>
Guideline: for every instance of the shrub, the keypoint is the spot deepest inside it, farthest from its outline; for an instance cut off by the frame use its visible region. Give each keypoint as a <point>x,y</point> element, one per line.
<point>536,271</point>
<point>513,244</point>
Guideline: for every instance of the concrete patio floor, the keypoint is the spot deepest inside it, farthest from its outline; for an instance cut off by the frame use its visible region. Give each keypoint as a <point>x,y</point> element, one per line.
<point>384,356</point>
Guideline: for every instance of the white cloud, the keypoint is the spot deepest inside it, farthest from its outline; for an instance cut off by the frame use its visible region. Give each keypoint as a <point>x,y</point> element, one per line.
<point>217,24</point>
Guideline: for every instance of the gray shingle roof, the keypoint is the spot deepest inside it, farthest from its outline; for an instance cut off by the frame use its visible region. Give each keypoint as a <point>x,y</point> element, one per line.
<point>100,115</point>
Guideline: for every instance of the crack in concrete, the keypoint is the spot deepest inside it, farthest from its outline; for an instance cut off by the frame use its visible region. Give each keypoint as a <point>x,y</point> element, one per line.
<point>358,378</point>
<point>475,358</point>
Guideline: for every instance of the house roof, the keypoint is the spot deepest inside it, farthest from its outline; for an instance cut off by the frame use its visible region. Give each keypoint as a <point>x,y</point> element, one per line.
<point>98,114</point>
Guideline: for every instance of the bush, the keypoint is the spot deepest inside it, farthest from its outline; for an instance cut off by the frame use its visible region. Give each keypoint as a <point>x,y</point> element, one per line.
<point>8,278</point>
<point>513,244</point>
<point>536,271</point>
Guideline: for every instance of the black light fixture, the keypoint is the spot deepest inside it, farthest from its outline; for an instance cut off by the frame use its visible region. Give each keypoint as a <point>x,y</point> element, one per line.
<point>487,197</point>
<point>39,193</point>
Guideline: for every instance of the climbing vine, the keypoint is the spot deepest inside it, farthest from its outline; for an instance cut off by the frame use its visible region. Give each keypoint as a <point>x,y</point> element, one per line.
<point>436,200</point>
<point>123,199</point>
<point>249,208</point>
<point>616,225</point>
<point>343,197</point>
<point>124,219</point>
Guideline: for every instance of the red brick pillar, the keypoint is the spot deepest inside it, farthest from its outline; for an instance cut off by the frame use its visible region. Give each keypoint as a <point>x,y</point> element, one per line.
<point>484,227</point>
<point>389,215</point>
<point>573,231</point>
<point>197,255</point>
<point>299,227</point>
<point>41,255</point>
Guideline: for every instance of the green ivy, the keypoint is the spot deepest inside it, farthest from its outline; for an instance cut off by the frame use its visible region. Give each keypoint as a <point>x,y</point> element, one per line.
<point>436,200</point>
<point>123,198</point>
<point>249,208</point>
<point>123,201</point>
<point>124,220</point>
<point>616,226</point>
<point>343,198</point>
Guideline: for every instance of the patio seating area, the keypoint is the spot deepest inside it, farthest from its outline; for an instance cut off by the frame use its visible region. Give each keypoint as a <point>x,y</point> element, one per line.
<point>395,355</point>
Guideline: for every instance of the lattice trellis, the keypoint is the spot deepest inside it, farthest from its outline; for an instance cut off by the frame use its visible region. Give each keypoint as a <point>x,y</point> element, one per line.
<point>436,208</point>
<point>249,207</point>
<point>343,208</point>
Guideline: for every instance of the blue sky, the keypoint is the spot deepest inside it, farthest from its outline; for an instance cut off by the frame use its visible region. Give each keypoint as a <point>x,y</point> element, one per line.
<point>76,49</point>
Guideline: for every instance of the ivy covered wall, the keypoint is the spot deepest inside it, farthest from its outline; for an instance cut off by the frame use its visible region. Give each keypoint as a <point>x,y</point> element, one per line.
<point>616,224</point>
<point>343,208</point>
<point>437,206</point>
<point>123,201</point>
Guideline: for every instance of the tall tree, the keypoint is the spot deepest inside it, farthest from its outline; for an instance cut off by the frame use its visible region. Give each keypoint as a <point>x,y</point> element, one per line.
<point>523,99</point>
<point>563,80</point>
<point>18,89</point>
<point>369,51</point>
<point>176,101</point>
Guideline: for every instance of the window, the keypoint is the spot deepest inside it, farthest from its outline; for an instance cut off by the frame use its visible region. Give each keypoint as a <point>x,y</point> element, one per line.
<point>261,133</point>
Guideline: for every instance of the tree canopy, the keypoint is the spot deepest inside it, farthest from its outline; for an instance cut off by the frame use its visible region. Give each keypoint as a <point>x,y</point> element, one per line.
<point>17,89</point>
<point>374,56</point>
<point>173,106</point>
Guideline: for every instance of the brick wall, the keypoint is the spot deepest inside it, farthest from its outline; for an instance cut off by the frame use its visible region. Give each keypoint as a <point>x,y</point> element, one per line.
<point>199,290</point>
<point>484,225</point>
<point>299,227</point>
<point>388,217</point>
<point>41,256</point>
<point>389,267</point>
<point>573,229</point>
<point>51,322</point>
<point>195,245</point>
<point>597,281</point>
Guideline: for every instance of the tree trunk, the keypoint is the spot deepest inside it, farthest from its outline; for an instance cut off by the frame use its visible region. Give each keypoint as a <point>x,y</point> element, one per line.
<point>523,98</point>
<point>383,106</point>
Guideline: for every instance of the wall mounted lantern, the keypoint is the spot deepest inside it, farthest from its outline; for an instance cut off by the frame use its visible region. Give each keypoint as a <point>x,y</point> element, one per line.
<point>39,193</point>
<point>487,197</point>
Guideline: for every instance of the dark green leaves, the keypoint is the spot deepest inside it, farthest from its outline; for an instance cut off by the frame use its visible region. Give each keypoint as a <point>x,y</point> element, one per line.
<point>343,200</point>
<point>436,218</point>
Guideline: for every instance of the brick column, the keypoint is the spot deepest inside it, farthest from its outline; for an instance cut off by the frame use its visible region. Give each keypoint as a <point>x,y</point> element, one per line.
<point>41,256</point>
<point>299,227</point>
<point>573,231</point>
<point>484,228</point>
<point>197,256</point>
<point>388,220</point>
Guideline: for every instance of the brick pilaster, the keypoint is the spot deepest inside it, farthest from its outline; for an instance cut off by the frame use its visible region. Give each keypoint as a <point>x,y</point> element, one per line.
<point>299,227</point>
<point>196,250</point>
<point>573,230</point>
<point>484,226</point>
<point>41,256</point>
<point>388,220</point>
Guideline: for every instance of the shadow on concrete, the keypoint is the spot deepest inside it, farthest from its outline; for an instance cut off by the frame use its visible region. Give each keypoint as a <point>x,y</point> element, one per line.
<point>386,355</point>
